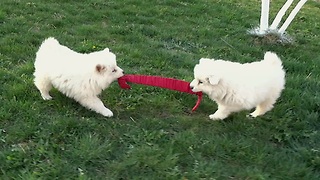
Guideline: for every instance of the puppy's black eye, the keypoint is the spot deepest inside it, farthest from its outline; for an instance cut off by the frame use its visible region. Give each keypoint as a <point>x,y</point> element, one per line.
<point>200,82</point>
<point>114,70</point>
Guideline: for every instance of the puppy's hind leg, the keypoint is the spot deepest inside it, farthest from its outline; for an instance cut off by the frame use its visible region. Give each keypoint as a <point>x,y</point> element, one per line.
<point>262,108</point>
<point>44,86</point>
<point>95,104</point>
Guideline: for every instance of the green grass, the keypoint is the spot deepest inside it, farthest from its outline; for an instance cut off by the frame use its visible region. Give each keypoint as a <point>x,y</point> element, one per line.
<point>153,135</point>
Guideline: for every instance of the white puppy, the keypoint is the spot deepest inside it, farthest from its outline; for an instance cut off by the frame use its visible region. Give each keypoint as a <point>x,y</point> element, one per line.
<point>235,87</point>
<point>78,76</point>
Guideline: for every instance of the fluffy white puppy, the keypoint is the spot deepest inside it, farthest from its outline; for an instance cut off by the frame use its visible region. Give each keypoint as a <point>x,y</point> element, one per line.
<point>235,87</point>
<point>78,76</point>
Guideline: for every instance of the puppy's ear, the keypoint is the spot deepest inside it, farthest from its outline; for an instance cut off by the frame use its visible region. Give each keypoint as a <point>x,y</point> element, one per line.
<point>196,67</point>
<point>213,79</point>
<point>100,68</point>
<point>106,50</point>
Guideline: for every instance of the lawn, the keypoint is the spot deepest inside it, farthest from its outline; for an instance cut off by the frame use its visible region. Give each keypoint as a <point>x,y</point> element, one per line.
<point>153,135</point>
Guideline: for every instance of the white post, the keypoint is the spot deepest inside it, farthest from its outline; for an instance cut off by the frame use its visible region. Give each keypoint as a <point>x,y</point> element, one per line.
<point>264,20</point>
<point>291,16</point>
<point>280,14</point>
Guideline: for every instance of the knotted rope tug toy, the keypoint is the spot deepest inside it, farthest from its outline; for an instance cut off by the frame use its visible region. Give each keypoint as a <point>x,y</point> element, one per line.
<point>162,82</point>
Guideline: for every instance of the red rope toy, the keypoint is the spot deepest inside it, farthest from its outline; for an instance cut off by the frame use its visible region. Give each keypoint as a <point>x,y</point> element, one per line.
<point>162,82</point>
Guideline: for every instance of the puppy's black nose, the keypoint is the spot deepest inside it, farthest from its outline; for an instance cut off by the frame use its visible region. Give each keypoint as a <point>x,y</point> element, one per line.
<point>191,87</point>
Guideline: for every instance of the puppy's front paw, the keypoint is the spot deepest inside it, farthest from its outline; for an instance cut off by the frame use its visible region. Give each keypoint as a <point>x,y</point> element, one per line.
<point>216,117</point>
<point>107,113</point>
<point>46,97</point>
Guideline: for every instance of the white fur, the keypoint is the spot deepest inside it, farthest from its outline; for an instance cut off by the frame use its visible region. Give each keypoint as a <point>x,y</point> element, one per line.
<point>78,76</point>
<point>235,87</point>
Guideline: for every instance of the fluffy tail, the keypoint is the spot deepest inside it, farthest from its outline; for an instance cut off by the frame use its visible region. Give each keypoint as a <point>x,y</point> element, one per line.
<point>272,59</point>
<point>45,52</point>
<point>49,42</point>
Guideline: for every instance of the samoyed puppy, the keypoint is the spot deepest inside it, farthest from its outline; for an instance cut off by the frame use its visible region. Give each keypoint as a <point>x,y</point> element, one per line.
<point>78,76</point>
<point>235,87</point>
